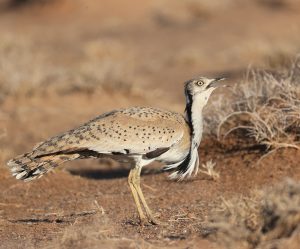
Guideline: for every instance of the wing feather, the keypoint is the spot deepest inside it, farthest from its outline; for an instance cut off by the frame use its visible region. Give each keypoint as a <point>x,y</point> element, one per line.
<point>128,131</point>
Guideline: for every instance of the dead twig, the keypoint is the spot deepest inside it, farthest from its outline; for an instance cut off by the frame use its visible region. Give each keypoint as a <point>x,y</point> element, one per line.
<point>55,217</point>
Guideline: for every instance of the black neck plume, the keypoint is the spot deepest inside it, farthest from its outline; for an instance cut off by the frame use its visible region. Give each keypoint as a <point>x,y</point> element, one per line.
<point>188,108</point>
<point>184,166</point>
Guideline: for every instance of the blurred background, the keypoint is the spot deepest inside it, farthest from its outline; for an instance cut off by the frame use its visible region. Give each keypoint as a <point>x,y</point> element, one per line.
<point>62,62</point>
<point>73,59</point>
<point>151,47</point>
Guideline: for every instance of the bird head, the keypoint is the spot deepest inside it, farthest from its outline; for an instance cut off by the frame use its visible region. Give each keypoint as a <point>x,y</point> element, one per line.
<point>201,88</point>
<point>201,84</point>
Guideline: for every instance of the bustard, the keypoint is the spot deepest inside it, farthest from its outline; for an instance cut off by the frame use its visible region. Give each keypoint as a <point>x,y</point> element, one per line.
<point>141,134</point>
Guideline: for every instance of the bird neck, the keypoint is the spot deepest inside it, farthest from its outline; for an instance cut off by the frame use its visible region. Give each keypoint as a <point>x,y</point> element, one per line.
<point>193,115</point>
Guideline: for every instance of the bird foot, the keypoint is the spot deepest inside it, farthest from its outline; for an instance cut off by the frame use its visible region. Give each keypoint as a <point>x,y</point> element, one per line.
<point>152,221</point>
<point>157,222</point>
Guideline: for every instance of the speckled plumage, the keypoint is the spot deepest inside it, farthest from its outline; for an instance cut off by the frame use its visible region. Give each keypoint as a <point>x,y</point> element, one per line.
<point>141,134</point>
<point>133,131</point>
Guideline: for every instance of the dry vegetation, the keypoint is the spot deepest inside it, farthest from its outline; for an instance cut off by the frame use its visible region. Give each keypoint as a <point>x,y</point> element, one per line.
<point>28,66</point>
<point>266,110</point>
<point>191,12</point>
<point>267,219</point>
<point>265,113</point>
<point>11,4</point>
<point>208,168</point>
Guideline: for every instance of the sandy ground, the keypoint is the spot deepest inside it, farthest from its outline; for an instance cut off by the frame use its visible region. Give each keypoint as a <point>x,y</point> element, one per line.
<point>68,61</point>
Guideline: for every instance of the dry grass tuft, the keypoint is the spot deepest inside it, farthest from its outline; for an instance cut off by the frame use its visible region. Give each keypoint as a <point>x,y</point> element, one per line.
<point>208,168</point>
<point>265,110</point>
<point>269,219</point>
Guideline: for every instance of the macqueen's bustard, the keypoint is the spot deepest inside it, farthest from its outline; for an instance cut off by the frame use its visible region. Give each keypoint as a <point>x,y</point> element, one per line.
<point>141,134</point>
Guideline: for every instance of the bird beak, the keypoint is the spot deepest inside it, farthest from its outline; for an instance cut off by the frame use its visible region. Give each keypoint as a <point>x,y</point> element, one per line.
<point>216,82</point>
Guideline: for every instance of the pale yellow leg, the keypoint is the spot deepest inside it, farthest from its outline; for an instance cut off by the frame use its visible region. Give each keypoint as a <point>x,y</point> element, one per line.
<point>137,186</point>
<point>135,195</point>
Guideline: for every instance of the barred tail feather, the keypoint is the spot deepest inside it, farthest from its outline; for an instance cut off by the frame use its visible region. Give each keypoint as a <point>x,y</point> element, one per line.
<point>28,168</point>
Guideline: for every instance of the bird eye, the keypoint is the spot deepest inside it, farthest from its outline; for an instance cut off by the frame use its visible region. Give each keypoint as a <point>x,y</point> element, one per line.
<point>199,83</point>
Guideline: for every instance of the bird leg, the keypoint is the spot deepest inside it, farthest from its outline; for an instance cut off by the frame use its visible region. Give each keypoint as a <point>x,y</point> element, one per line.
<point>149,214</point>
<point>134,183</point>
<point>135,195</point>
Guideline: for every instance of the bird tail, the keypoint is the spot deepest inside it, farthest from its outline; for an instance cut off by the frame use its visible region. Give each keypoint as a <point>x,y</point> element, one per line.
<point>26,167</point>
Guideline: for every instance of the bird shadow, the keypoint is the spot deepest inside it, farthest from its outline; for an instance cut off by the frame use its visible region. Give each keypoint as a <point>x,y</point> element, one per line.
<point>102,174</point>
